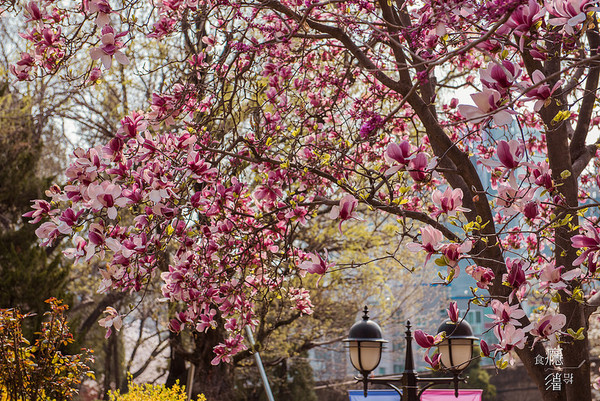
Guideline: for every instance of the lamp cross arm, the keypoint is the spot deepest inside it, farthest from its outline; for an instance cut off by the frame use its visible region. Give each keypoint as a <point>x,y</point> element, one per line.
<point>383,380</point>
<point>440,380</point>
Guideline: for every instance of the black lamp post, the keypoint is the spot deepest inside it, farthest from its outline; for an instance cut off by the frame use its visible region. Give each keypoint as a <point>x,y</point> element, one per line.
<point>366,344</point>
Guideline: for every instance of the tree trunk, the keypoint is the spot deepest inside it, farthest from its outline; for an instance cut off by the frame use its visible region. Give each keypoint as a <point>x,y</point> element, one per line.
<point>214,381</point>
<point>112,366</point>
<point>177,368</point>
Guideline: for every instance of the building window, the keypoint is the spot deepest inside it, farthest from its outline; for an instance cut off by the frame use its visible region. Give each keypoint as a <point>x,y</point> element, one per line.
<point>397,368</point>
<point>474,317</point>
<point>382,371</point>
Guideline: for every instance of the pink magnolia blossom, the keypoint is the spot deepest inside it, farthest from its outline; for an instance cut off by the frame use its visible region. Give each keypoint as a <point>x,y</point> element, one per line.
<point>110,48</point>
<point>504,313</point>
<point>425,340</point>
<point>95,75</point>
<point>163,27</point>
<point>430,238</point>
<point>47,231</point>
<point>41,208</point>
<point>492,46</point>
<point>453,312</point>
<point>106,195</point>
<point>516,272</point>
<point>551,277</point>
<point>102,7</point>
<point>317,264</point>
<point>34,12</point>
<point>530,210</point>
<point>434,361</point>
<point>523,19</point>
<point>299,214</point>
<point>301,299</point>
<point>483,275</point>
<point>269,193</point>
<point>542,175</point>
<point>417,167</point>
<point>231,346</point>
<point>112,319</point>
<point>513,200</point>
<point>23,68</point>
<point>485,349</point>
<point>501,76</point>
<point>509,337</point>
<point>68,219</point>
<point>370,126</point>
<point>589,241</point>
<point>207,321</point>
<point>345,210</point>
<point>516,276</point>
<point>97,237</point>
<point>509,155</point>
<point>209,41</point>
<point>541,92</point>
<point>132,124</point>
<point>449,202</point>
<point>175,325</point>
<point>78,250</point>
<point>453,253</point>
<point>569,13</point>
<point>487,106</point>
<point>397,156</point>
<point>546,326</point>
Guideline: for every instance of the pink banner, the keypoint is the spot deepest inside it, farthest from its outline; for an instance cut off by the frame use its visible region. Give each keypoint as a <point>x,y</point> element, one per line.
<point>448,395</point>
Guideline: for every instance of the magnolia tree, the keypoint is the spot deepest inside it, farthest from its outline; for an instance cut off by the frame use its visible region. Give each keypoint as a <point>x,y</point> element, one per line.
<point>276,111</point>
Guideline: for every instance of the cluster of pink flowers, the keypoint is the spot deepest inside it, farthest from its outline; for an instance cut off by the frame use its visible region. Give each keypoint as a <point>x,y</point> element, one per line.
<point>154,173</point>
<point>49,42</point>
<point>227,205</point>
<point>495,101</point>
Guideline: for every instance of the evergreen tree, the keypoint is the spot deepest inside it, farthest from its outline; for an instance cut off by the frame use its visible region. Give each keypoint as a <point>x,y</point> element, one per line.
<point>28,274</point>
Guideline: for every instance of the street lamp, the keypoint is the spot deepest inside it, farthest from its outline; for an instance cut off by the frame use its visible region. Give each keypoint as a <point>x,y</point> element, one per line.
<point>366,341</point>
<point>456,350</point>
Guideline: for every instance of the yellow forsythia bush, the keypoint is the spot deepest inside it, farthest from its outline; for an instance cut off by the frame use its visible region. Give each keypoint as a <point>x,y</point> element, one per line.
<point>152,392</point>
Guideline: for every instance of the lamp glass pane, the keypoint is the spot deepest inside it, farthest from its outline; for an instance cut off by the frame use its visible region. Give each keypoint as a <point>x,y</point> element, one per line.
<point>462,352</point>
<point>365,355</point>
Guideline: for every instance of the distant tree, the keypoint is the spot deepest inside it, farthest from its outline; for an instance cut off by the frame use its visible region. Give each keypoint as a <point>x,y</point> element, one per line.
<point>28,274</point>
<point>290,379</point>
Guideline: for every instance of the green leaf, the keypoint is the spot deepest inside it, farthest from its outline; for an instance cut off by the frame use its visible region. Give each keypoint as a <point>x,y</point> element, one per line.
<point>565,174</point>
<point>561,116</point>
<point>576,335</point>
<point>556,298</point>
<point>578,295</point>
